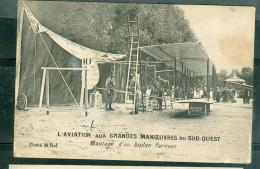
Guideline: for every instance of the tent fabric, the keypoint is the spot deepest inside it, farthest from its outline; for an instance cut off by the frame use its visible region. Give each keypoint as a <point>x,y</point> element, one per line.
<point>189,54</point>
<point>74,49</point>
<point>38,47</point>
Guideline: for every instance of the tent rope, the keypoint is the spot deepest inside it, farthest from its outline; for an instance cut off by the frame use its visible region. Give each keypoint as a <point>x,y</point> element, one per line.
<point>34,60</point>
<point>59,70</point>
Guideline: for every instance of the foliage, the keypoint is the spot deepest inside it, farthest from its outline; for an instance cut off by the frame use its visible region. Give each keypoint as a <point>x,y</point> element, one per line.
<point>234,72</point>
<point>221,77</point>
<point>158,24</point>
<point>247,75</point>
<point>103,26</point>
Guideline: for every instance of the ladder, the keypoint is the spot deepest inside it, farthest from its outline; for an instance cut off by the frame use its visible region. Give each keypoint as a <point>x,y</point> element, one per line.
<point>133,29</point>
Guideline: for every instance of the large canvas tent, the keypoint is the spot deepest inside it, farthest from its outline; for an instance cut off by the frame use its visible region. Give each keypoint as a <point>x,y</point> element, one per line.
<point>189,54</point>
<point>40,48</point>
<point>183,59</point>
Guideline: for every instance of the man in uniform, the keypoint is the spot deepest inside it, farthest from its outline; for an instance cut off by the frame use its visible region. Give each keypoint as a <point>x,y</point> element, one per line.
<point>110,85</point>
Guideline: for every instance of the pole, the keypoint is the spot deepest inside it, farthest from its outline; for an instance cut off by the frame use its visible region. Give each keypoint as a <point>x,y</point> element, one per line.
<point>186,81</point>
<point>42,87</point>
<point>208,78</point>
<point>86,88</point>
<point>141,81</point>
<point>20,13</point>
<point>129,68</point>
<point>213,81</point>
<point>47,89</point>
<point>83,80</point>
<point>175,75</point>
<point>182,80</point>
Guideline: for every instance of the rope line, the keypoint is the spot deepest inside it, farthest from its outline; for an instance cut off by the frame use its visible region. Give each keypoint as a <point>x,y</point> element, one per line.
<point>34,76</point>
<point>59,71</point>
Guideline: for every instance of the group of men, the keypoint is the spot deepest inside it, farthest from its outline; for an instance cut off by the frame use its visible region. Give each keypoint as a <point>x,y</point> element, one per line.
<point>158,90</point>
<point>110,87</point>
<point>135,90</point>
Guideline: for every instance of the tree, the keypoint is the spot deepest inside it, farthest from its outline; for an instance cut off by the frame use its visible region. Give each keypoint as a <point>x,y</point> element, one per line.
<point>234,72</point>
<point>103,26</point>
<point>247,75</point>
<point>158,24</point>
<point>221,76</point>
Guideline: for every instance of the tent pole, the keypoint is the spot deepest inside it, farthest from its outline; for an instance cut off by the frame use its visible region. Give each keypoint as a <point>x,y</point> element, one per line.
<point>191,83</point>
<point>208,78</point>
<point>86,88</point>
<point>20,13</point>
<point>185,85</point>
<point>82,84</point>
<point>213,82</point>
<point>47,89</point>
<point>182,81</point>
<point>120,80</point>
<point>175,75</point>
<point>141,81</point>
<point>193,80</point>
<point>42,87</point>
<point>114,67</point>
<point>188,84</point>
<point>171,77</point>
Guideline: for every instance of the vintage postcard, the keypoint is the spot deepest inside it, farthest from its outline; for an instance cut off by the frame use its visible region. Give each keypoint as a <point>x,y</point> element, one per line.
<point>141,82</point>
<point>104,167</point>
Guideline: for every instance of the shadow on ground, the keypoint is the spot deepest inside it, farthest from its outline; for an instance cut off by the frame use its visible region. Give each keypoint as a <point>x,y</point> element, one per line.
<point>182,114</point>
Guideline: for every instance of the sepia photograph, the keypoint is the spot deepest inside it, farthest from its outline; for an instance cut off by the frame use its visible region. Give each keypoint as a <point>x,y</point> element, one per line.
<point>133,81</point>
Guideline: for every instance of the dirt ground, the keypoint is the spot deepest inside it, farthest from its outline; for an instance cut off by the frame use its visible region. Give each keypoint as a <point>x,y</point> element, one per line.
<point>224,135</point>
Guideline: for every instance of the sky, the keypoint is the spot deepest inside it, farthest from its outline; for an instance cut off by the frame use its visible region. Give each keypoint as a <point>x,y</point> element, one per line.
<point>226,32</point>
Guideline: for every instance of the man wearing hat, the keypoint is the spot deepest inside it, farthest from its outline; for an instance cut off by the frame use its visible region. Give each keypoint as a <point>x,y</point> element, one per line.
<point>110,85</point>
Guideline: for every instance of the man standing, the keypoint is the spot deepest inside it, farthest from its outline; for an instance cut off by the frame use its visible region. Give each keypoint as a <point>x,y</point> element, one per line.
<point>136,90</point>
<point>159,91</point>
<point>110,85</point>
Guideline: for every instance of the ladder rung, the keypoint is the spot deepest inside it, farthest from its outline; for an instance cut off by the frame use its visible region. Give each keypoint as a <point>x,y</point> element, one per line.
<point>134,35</point>
<point>133,66</point>
<point>134,28</point>
<point>129,101</point>
<point>132,21</point>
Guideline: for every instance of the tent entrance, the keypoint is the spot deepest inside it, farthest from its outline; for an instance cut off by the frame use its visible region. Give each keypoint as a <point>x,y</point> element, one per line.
<point>72,98</point>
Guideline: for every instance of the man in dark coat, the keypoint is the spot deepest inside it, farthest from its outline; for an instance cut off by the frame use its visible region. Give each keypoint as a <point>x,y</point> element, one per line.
<point>110,85</point>
<point>159,91</point>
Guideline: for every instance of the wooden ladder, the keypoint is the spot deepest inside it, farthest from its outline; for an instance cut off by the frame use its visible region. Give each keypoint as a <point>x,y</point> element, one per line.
<point>133,29</point>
